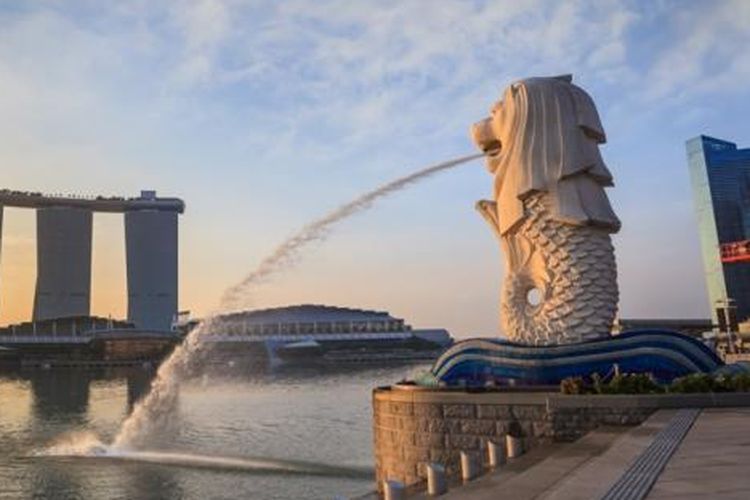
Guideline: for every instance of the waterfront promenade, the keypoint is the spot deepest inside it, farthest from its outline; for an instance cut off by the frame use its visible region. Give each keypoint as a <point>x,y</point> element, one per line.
<point>675,454</point>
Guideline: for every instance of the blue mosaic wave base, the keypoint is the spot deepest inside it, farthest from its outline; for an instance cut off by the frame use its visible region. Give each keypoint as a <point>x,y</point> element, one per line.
<point>663,353</point>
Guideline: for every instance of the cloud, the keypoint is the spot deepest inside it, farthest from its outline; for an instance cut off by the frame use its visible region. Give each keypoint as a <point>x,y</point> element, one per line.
<point>707,50</point>
<point>203,26</point>
<point>354,73</point>
<point>318,72</point>
<point>360,73</point>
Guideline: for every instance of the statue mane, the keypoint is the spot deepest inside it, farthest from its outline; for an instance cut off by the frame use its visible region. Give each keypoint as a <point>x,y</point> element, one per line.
<point>549,131</point>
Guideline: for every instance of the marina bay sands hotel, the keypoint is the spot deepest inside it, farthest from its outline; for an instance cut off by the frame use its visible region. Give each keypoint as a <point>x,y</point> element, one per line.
<point>64,237</point>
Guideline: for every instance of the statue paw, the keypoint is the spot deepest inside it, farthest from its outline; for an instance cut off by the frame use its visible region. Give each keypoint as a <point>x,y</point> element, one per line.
<point>488,210</point>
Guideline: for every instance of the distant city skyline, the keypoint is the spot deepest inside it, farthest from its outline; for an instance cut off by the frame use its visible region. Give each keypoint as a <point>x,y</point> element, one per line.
<point>264,115</point>
<point>720,176</point>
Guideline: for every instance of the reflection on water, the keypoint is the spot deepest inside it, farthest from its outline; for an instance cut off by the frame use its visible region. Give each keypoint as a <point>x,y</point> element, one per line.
<point>59,394</point>
<point>292,419</point>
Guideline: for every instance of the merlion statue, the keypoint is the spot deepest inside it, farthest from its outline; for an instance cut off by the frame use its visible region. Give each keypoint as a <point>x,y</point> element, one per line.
<point>554,222</point>
<point>551,212</point>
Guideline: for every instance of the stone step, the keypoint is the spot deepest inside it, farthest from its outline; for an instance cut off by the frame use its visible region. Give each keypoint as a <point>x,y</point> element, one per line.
<point>512,468</point>
<point>596,477</point>
<point>539,472</point>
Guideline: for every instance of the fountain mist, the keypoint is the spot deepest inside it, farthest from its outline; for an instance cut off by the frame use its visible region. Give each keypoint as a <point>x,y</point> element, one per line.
<point>153,413</point>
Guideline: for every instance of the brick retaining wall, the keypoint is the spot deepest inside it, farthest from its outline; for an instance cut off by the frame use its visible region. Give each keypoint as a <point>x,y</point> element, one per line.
<point>415,426</point>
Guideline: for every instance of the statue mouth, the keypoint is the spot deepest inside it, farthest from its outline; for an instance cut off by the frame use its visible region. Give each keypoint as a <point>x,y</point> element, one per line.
<point>484,137</point>
<point>494,150</point>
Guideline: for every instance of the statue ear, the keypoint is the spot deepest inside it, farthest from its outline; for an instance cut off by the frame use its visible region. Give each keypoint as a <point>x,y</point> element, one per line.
<point>587,115</point>
<point>564,78</point>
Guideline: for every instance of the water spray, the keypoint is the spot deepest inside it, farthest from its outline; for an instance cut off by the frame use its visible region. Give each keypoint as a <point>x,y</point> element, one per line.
<point>153,413</point>
<point>318,230</point>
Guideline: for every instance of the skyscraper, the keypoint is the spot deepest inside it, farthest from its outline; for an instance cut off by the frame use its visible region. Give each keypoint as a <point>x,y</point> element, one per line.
<point>720,176</point>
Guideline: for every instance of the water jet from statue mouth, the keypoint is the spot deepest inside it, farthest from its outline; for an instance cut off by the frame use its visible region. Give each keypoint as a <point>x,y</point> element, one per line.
<point>88,447</point>
<point>493,151</point>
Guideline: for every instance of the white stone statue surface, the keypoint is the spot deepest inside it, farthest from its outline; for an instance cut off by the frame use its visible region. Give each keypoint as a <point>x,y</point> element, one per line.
<point>551,213</point>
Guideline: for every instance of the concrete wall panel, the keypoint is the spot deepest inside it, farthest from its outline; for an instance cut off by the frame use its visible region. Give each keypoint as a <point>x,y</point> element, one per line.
<point>63,284</point>
<point>151,244</point>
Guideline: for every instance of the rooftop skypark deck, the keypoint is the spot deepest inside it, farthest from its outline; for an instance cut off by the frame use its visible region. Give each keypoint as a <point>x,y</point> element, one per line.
<point>114,204</point>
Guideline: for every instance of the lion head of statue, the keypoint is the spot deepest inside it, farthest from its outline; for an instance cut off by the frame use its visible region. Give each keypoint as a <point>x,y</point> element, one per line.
<point>544,136</point>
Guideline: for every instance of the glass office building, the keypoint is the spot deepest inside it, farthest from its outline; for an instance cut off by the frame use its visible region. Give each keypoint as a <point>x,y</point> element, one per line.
<point>720,176</point>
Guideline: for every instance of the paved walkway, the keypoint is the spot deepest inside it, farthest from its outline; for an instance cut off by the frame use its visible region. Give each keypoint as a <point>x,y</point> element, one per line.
<point>594,478</point>
<point>712,461</point>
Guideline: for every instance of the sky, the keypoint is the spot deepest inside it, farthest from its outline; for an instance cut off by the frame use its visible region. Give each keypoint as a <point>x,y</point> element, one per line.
<point>263,115</point>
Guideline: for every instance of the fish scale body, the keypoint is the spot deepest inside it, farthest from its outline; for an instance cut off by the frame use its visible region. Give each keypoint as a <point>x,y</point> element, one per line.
<point>574,269</point>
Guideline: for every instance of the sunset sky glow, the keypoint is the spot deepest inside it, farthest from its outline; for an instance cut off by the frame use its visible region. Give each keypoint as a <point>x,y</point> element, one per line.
<point>263,115</point>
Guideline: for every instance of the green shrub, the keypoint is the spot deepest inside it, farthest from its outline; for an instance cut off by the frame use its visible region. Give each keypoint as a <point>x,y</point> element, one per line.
<point>696,382</point>
<point>740,382</point>
<point>633,383</point>
<point>704,382</point>
<point>572,385</point>
<point>644,383</point>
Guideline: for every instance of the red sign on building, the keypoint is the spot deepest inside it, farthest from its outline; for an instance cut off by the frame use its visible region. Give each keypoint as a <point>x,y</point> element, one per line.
<point>736,251</point>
